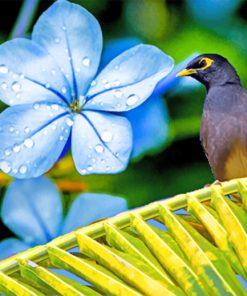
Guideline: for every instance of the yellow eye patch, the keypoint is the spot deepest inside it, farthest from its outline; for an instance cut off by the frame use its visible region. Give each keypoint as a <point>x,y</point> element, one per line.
<point>206,62</point>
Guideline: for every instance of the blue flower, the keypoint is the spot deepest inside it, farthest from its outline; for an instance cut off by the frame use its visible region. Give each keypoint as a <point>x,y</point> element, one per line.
<point>37,218</point>
<point>57,96</point>
<point>149,121</point>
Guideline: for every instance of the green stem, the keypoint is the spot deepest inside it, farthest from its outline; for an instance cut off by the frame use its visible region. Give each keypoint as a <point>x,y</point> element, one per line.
<point>24,19</point>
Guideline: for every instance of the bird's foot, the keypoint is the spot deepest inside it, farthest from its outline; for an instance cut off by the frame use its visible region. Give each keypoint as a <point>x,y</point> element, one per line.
<point>216,182</point>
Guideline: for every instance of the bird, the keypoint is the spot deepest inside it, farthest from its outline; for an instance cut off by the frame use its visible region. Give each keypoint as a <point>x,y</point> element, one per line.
<point>223,131</point>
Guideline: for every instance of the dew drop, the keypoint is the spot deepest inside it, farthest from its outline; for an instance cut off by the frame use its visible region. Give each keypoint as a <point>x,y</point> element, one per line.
<point>132,100</point>
<point>5,166</point>
<point>29,143</point>
<point>69,121</point>
<point>61,138</point>
<point>4,85</point>
<point>11,129</point>
<point>26,130</point>
<point>54,107</point>
<point>45,132</point>
<point>47,85</point>
<point>53,127</point>
<point>16,148</point>
<point>36,106</point>
<point>118,93</point>
<point>15,171</point>
<point>106,136</point>
<point>99,148</point>
<point>83,171</point>
<point>16,87</point>
<point>63,90</point>
<point>93,83</point>
<point>23,169</point>
<point>53,72</point>
<point>117,67</point>
<point>116,82</point>
<point>3,69</point>
<point>106,83</point>
<point>57,40</point>
<point>89,168</point>
<point>17,132</point>
<point>86,61</point>
<point>64,28</point>
<point>78,69</point>
<point>7,152</point>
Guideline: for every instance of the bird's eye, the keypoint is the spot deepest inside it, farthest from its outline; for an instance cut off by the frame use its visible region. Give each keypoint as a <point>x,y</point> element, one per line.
<point>203,63</point>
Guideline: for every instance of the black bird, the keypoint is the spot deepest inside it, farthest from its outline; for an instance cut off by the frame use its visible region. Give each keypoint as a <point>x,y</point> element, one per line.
<point>224,120</point>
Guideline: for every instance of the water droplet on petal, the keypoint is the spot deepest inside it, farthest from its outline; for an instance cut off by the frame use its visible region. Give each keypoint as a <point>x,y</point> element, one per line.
<point>47,85</point>
<point>64,28</point>
<point>93,83</point>
<point>53,72</point>
<point>116,67</point>
<point>7,152</point>
<point>36,106</point>
<point>16,87</point>
<point>29,143</point>
<point>23,169</point>
<point>106,136</point>
<point>69,121</point>
<point>45,132</point>
<point>16,148</point>
<point>116,82</point>
<point>3,69</point>
<point>5,166</point>
<point>107,84</point>
<point>54,107</point>
<point>132,100</point>
<point>61,138</point>
<point>99,148</point>
<point>11,129</point>
<point>63,90</point>
<point>118,93</point>
<point>83,171</point>
<point>78,69</point>
<point>4,85</point>
<point>89,168</point>
<point>26,130</point>
<point>86,61</point>
<point>53,127</point>
<point>57,40</point>
<point>17,132</point>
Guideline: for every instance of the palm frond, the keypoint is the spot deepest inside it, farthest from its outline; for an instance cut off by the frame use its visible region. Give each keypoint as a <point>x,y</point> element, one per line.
<point>199,253</point>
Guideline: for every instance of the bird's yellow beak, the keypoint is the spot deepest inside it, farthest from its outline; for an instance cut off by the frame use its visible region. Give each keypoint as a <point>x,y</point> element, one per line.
<point>186,72</point>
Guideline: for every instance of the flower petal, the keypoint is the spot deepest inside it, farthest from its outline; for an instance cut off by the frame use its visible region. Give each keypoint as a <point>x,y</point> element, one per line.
<point>32,138</point>
<point>28,74</point>
<point>32,209</point>
<point>115,47</point>
<point>84,210</point>
<point>73,38</point>
<point>150,126</point>
<point>11,246</point>
<point>101,143</point>
<point>129,79</point>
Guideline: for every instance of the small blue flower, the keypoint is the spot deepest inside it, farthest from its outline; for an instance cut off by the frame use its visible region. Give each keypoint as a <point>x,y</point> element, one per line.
<point>57,96</point>
<point>38,217</point>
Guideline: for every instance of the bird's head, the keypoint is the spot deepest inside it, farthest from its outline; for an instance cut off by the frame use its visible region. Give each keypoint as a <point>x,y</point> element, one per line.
<point>211,69</point>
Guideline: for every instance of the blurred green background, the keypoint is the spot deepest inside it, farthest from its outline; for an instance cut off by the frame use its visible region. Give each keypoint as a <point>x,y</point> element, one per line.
<point>180,28</point>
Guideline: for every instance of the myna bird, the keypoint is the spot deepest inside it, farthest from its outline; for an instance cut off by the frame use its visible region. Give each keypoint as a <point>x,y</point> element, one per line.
<point>224,121</point>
